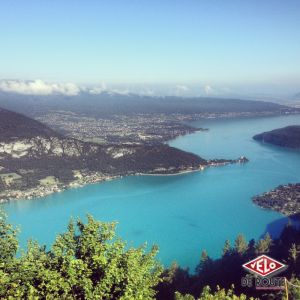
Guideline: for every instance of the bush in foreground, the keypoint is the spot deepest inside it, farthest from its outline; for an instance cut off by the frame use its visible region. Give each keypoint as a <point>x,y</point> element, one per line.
<point>86,262</point>
<point>89,262</point>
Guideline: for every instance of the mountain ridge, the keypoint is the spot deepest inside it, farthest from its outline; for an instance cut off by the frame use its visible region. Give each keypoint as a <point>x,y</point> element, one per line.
<point>37,154</point>
<point>15,125</point>
<point>288,136</point>
<point>44,162</point>
<point>107,104</point>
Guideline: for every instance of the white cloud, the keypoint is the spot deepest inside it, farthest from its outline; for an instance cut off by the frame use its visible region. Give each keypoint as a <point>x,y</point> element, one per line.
<point>147,92</point>
<point>182,88</point>
<point>38,87</point>
<point>98,89</point>
<point>179,90</point>
<point>208,89</point>
<point>120,91</point>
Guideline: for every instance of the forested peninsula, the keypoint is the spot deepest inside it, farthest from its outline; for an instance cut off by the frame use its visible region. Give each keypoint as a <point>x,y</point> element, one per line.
<point>284,137</point>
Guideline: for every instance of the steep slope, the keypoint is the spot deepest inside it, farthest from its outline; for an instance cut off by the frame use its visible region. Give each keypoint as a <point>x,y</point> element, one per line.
<point>32,156</point>
<point>14,126</point>
<point>36,161</point>
<point>285,137</point>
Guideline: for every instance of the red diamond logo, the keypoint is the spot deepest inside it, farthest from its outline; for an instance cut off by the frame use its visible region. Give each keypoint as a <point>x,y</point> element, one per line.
<point>264,266</point>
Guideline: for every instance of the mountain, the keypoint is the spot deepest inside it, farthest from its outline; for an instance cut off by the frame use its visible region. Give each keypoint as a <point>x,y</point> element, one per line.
<point>107,104</point>
<point>17,126</point>
<point>285,137</point>
<point>35,160</point>
<point>296,96</point>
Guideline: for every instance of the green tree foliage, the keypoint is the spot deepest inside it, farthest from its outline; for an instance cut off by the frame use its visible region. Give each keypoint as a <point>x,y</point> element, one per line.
<point>89,262</point>
<point>294,289</point>
<point>86,262</point>
<point>227,248</point>
<point>227,269</point>
<point>173,279</point>
<point>294,252</point>
<point>8,239</point>
<point>207,294</point>
<point>263,245</point>
<point>205,261</point>
<point>241,246</point>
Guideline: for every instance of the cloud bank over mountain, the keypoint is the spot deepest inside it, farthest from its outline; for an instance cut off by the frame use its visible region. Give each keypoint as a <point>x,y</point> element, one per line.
<point>43,88</point>
<point>38,87</point>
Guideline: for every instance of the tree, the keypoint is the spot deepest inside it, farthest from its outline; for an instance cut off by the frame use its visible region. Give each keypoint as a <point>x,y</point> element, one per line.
<point>204,256</point>
<point>179,296</point>
<point>293,253</point>
<point>241,245</point>
<point>263,245</point>
<point>205,262</point>
<point>220,294</point>
<point>86,262</point>
<point>226,248</point>
<point>294,289</point>
<point>8,239</point>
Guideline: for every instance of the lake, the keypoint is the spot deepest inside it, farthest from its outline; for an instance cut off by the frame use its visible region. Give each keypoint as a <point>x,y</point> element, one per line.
<point>186,213</point>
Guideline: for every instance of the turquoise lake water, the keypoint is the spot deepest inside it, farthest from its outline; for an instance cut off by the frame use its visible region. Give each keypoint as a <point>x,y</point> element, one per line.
<point>186,213</point>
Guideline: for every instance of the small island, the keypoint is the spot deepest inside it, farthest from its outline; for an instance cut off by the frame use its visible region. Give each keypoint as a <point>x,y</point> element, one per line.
<point>284,199</point>
<point>284,137</point>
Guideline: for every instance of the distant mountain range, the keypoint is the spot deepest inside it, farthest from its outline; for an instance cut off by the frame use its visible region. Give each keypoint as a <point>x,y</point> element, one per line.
<point>106,104</point>
<point>36,160</point>
<point>296,96</point>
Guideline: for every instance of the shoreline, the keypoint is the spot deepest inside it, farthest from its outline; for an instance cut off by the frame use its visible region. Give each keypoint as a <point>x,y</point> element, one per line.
<point>171,174</point>
<point>40,192</point>
<point>44,191</point>
<point>283,199</point>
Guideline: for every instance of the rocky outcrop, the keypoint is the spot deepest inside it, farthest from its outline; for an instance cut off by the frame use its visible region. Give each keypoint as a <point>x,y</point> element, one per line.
<point>34,160</point>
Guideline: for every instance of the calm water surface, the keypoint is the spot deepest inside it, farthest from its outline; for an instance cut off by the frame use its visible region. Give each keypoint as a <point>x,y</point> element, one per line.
<point>182,214</point>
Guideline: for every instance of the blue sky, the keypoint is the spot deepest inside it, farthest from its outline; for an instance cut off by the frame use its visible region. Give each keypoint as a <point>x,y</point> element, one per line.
<point>242,44</point>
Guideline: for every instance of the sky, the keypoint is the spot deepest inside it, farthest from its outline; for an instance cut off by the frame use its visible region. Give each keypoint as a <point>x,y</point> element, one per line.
<point>249,46</point>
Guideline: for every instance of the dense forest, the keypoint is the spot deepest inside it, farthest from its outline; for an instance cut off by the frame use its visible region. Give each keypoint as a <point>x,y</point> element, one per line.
<point>227,271</point>
<point>89,262</point>
<point>284,137</point>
